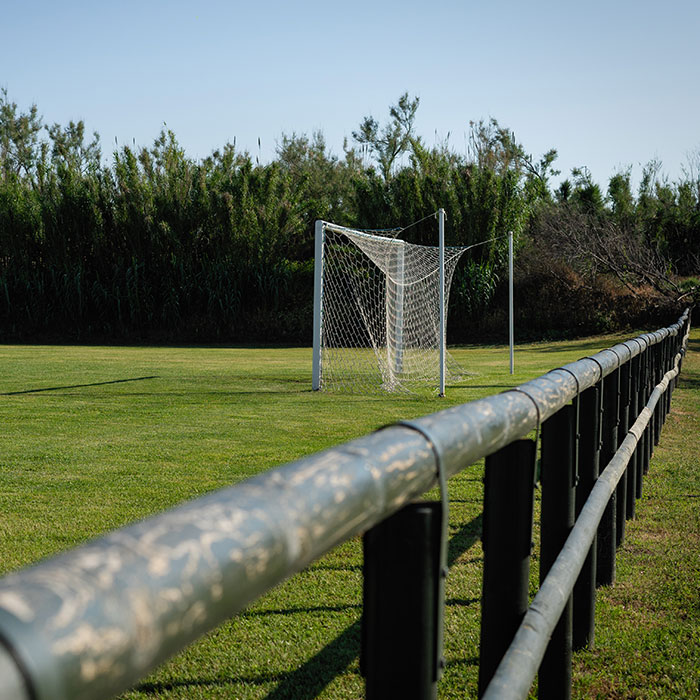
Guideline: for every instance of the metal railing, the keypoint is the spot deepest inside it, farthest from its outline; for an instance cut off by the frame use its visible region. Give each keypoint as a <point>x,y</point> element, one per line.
<point>91,622</point>
<point>621,419</point>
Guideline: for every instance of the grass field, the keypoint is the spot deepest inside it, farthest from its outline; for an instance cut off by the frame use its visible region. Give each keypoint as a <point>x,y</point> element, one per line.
<point>95,437</point>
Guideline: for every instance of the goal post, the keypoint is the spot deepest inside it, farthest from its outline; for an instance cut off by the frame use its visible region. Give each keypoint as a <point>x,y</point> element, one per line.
<point>318,304</point>
<point>380,309</point>
<point>441,292</point>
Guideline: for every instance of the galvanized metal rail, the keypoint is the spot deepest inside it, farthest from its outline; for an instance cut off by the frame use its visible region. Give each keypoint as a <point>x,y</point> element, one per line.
<point>516,672</point>
<point>91,622</point>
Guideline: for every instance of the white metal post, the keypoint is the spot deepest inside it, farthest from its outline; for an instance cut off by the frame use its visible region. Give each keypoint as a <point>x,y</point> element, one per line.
<point>318,305</point>
<point>441,283</point>
<point>510,300</point>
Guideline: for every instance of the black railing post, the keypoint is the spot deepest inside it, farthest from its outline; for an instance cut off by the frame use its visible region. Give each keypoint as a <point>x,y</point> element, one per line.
<point>623,427</point>
<point>509,485</point>
<point>675,349</point>
<point>651,383</point>
<point>640,452</point>
<point>401,604</point>
<point>649,431</point>
<point>556,521</point>
<point>670,354</point>
<point>632,469</point>
<point>663,369</point>
<point>607,538</point>
<point>657,378</point>
<point>589,456</point>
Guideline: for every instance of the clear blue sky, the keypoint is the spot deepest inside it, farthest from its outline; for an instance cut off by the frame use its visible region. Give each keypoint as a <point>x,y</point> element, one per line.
<point>608,84</point>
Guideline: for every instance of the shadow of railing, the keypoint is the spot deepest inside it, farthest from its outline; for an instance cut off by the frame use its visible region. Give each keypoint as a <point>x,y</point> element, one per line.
<point>307,681</point>
<point>76,386</point>
<point>463,539</point>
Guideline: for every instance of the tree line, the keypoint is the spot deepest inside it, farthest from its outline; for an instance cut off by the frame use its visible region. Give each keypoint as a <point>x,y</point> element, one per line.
<point>155,245</point>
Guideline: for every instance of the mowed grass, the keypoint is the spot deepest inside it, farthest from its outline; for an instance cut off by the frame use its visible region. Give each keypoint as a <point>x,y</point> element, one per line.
<point>96,437</point>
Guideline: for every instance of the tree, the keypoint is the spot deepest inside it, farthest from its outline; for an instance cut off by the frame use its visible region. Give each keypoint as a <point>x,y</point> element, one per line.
<point>70,150</point>
<point>19,138</point>
<point>563,192</point>
<point>396,138</point>
<point>494,147</point>
<point>323,183</point>
<point>586,193</point>
<point>594,244</point>
<point>621,198</point>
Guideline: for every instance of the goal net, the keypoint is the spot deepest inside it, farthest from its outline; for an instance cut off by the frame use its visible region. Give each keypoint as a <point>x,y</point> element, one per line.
<point>377,312</point>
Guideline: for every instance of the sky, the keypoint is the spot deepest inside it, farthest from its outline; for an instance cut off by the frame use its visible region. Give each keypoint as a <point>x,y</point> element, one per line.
<point>609,84</point>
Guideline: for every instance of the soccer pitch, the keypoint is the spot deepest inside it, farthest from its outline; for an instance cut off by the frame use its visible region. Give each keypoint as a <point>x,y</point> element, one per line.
<point>96,437</point>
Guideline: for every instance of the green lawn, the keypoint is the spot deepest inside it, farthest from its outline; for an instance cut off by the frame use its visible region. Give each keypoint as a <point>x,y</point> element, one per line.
<point>95,437</point>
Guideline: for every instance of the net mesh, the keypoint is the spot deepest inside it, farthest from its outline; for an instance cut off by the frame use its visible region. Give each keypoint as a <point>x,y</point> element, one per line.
<point>381,320</point>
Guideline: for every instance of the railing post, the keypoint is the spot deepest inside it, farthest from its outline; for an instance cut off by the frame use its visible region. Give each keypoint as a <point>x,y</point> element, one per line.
<point>651,381</point>
<point>509,485</point>
<point>589,460</point>
<point>670,354</point>
<point>649,442</point>
<point>641,451</point>
<point>632,469</point>
<point>675,345</point>
<point>663,370</point>
<point>623,427</point>
<point>657,378</point>
<point>607,538</point>
<point>402,604</point>
<point>556,522</point>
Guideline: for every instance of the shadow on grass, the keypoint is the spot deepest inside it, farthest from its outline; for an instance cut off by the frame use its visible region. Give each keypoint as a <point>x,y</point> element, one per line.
<point>304,683</point>
<point>463,539</point>
<point>311,678</point>
<point>469,661</point>
<point>157,687</point>
<point>77,386</point>
<point>335,567</point>
<point>482,386</point>
<point>461,602</point>
<point>688,382</point>
<point>295,611</point>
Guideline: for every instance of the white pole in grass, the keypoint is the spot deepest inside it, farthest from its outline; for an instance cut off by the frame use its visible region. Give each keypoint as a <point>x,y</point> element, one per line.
<point>510,299</point>
<point>441,237</point>
<point>318,305</point>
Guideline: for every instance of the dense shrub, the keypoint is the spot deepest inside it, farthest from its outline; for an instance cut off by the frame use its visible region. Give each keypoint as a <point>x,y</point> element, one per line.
<point>157,246</point>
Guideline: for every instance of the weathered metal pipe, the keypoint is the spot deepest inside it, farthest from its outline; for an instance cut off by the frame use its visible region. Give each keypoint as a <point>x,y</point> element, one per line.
<point>12,681</point>
<point>518,667</point>
<point>91,622</point>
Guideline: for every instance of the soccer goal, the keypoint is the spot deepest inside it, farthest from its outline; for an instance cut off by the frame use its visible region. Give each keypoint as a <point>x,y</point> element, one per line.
<point>380,309</point>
